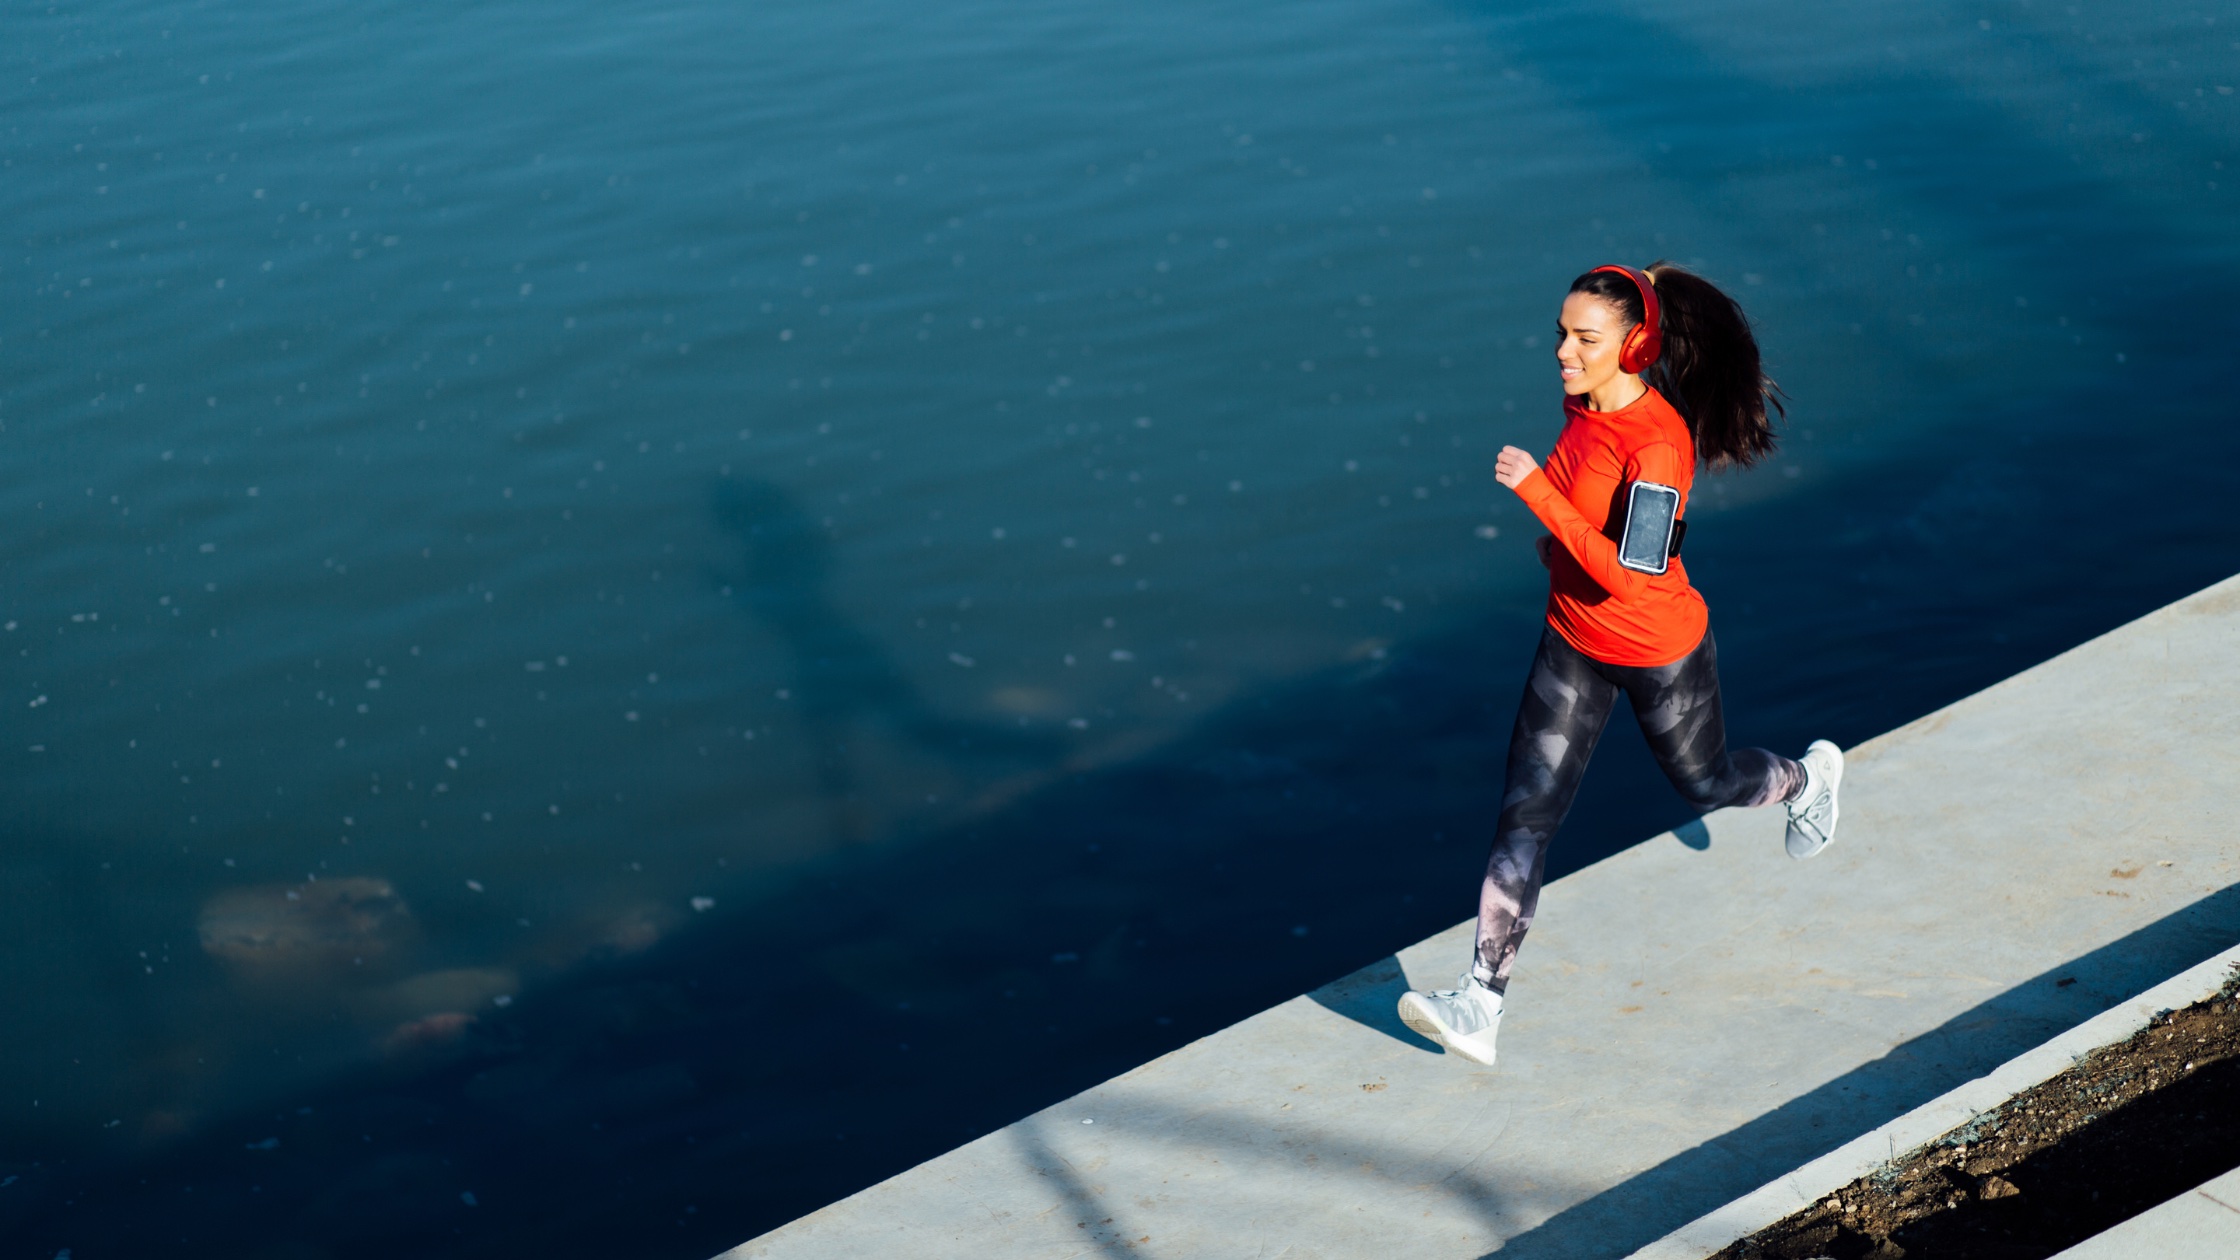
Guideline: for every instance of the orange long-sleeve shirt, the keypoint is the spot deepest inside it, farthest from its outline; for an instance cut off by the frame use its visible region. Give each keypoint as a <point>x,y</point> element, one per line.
<point>1614,614</point>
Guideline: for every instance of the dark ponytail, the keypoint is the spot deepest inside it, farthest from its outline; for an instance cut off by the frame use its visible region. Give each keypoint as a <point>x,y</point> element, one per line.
<point>1709,370</point>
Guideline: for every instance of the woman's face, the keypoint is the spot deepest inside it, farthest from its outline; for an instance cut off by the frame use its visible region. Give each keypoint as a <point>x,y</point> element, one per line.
<point>1589,334</point>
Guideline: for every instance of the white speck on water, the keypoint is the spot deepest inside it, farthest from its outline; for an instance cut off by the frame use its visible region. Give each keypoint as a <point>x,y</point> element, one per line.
<point>475,884</point>
<point>1087,1121</point>
<point>1122,654</point>
<point>502,999</point>
<point>703,904</point>
<point>1488,532</point>
<point>959,658</point>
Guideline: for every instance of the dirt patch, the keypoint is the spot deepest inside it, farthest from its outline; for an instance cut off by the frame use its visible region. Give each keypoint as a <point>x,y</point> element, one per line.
<point>2127,1127</point>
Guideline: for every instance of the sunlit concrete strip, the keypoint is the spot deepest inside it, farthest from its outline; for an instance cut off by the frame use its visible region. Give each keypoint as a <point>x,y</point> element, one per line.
<point>1691,1017</point>
<point>1949,1116</point>
<point>2201,1224</point>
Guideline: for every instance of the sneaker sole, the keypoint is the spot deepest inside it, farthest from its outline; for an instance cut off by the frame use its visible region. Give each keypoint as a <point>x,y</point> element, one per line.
<point>1425,1024</point>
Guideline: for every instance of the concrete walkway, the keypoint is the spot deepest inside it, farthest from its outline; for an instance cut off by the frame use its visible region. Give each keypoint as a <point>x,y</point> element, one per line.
<point>2201,1224</point>
<point>1689,1019</point>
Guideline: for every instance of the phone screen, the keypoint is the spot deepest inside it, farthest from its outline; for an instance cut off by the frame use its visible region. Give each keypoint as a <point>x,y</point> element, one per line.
<point>1646,545</point>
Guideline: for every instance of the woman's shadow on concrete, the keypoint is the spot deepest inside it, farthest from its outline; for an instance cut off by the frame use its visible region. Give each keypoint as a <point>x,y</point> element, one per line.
<point>1371,996</point>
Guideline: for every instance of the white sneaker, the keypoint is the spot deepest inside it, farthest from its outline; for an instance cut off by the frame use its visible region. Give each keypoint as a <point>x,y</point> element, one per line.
<point>1812,816</point>
<point>1463,1019</point>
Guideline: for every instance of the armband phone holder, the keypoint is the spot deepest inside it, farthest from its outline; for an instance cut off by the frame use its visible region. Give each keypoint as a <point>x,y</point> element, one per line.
<point>1653,528</point>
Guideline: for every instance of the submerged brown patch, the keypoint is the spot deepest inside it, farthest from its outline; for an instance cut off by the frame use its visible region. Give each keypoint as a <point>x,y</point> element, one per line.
<point>315,925</point>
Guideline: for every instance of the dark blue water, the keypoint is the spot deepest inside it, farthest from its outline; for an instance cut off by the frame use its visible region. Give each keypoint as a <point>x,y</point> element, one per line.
<point>624,619</point>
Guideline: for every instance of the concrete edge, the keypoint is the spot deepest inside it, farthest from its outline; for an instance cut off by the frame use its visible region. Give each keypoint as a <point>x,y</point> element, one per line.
<point>1708,1234</point>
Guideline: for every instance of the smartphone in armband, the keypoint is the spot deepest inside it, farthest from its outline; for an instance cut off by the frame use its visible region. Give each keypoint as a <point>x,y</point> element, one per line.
<point>1650,535</point>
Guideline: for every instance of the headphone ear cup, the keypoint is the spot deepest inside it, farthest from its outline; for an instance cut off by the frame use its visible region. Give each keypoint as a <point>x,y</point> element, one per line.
<point>1629,350</point>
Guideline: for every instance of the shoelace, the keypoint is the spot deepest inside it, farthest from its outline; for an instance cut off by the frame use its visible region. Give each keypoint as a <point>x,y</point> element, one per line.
<point>1478,1018</point>
<point>1813,817</point>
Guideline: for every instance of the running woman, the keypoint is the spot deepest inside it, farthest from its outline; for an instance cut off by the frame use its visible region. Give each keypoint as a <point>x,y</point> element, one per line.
<point>1660,373</point>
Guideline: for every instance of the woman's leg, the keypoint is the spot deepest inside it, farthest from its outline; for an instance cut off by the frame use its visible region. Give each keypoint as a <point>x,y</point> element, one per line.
<point>1566,703</point>
<point>1678,708</point>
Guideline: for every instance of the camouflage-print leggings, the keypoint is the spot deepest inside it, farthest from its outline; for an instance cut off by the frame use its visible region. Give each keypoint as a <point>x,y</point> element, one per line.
<point>1567,700</point>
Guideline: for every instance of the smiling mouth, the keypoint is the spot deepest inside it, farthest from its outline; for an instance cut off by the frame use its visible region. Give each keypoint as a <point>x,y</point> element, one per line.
<point>1570,372</point>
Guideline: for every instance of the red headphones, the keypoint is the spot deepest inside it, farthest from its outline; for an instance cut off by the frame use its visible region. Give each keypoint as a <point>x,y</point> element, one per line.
<point>1646,341</point>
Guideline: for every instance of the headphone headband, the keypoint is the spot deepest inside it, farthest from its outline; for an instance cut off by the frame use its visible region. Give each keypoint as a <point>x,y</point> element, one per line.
<point>1646,341</point>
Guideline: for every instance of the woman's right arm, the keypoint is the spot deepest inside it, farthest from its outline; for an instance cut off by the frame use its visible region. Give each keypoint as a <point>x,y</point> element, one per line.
<point>1596,553</point>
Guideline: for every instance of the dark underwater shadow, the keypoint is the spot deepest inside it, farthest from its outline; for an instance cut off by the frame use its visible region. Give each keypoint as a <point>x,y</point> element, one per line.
<point>845,686</point>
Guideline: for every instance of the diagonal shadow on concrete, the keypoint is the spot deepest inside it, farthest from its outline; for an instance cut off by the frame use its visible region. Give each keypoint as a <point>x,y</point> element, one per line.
<point>1637,1212</point>
<point>1099,1230</point>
